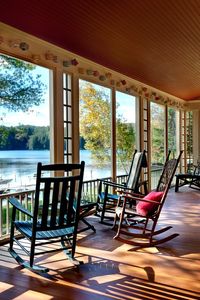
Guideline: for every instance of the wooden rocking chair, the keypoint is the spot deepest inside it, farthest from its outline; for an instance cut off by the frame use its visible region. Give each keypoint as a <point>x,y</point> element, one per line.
<point>138,215</point>
<point>107,201</point>
<point>190,178</point>
<point>55,215</point>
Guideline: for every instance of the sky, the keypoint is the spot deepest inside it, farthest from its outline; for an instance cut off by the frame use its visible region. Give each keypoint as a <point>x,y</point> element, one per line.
<point>126,103</point>
<point>126,106</point>
<point>38,115</point>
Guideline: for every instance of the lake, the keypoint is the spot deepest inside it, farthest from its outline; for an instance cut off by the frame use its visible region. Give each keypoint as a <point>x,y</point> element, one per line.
<point>20,166</point>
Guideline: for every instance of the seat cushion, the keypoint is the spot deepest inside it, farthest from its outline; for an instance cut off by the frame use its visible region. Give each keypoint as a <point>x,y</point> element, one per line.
<point>146,208</point>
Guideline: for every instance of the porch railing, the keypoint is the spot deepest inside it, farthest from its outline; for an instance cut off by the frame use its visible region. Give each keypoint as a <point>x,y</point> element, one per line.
<point>26,197</point>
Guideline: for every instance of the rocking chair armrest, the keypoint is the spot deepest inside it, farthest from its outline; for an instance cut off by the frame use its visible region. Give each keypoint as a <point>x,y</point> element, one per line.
<point>141,199</point>
<point>19,207</point>
<point>114,184</point>
<point>131,194</point>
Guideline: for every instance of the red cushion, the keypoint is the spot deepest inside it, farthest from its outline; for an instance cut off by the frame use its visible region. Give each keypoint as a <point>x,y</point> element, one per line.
<point>145,208</point>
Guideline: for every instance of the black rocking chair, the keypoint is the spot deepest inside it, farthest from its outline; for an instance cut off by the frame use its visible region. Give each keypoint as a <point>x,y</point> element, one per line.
<point>190,178</point>
<point>55,214</point>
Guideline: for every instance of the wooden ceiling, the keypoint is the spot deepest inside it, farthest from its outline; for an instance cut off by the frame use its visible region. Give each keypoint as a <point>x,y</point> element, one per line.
<point>154,41</point>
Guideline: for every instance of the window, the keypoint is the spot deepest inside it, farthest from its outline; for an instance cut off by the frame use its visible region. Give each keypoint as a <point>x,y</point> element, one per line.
<point>189,138</point>
<point>157,141</point>
<point>95,129</point>
<point>173,131</point>
<point>125,131</point>
<point>24,121</point>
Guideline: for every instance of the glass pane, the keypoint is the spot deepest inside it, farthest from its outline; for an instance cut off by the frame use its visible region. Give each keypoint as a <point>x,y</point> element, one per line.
<point>189,136</point>
<point>173,134</point>
<point>125,131</point>
<point>95,129</point>
<point>157,141</point>
<point>24,122</point>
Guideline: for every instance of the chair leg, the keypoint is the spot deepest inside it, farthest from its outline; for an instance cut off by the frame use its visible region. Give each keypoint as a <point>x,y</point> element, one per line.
<point>32,252</point>
<point>115,221</point>
<point>12,228</point>
<point>89,226</point>
<point>70,254</point>
<point>177,184</point>
<point>121,216</point>
<point>103,210</point>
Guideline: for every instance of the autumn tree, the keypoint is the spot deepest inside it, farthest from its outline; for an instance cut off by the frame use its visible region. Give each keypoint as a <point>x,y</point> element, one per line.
<point>95,125</point>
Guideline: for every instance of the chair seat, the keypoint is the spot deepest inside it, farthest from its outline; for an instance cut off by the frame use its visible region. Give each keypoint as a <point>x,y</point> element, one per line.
<point>25,227</point>
<point>186,175</point>
<point>110,196</point>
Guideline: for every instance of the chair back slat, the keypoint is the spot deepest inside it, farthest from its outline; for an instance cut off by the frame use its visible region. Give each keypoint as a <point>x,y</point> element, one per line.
<point>45,205</point>
<point>54,205</point>
<point>70,216</point>
<point>63,202</point>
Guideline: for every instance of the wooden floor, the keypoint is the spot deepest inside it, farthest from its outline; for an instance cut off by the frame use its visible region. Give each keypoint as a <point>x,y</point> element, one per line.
<point>113,270</point>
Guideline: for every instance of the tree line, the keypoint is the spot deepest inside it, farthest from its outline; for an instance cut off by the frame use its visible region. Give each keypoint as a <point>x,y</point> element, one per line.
<point>24,137</point>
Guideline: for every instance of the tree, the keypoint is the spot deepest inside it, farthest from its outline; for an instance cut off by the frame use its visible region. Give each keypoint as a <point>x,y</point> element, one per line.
<point>20,89</point>
<point>24,137</point>
<point>39,140</point>
<point>95,126</point>
<point>125,142</point>
<point>157,133</point>
<point>95,121</point>
<point>172,134</point>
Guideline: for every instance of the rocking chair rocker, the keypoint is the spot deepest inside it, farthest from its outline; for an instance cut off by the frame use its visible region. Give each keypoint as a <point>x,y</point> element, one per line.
<point>55,215</point>
<point>138,215</point>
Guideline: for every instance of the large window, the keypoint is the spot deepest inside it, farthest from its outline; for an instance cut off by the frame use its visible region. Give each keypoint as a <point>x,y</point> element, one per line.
<point>189,139</point>
<point>173,131</point>
<point>24,121</point>
<point>157,141</point>
<point>125,131</point>
<point>95,129</point>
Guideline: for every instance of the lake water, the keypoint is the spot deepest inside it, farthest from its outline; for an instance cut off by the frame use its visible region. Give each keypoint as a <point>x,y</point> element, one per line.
<point>20,166</point>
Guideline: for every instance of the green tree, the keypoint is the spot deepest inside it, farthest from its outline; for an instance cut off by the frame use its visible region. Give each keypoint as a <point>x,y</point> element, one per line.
<point>172,134</point>
<point>20,89</point>
<point>189,132</point>
<point>157,133</point>
<point>95,126</point>
<point>24,137</point>
<point>125,141</point>
<point>40,139</point>
<point>3,137</point>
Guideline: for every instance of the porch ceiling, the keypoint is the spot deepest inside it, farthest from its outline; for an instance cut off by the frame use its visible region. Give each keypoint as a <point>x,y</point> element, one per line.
<point>154,41</point>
